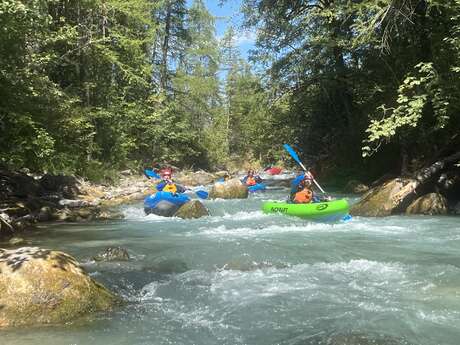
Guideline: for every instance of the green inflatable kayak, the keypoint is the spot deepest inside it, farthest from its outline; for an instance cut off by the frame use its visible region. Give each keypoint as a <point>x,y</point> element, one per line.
<point>329,211</point>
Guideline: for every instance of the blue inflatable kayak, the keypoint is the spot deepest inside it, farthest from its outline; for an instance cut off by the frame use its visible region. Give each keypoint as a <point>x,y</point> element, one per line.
<point>257,187</point>
<point>164,203</point>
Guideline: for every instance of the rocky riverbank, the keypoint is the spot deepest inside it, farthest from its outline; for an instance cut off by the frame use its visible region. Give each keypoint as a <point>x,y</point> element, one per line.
<point>432,190</point>
<point>26,200</point>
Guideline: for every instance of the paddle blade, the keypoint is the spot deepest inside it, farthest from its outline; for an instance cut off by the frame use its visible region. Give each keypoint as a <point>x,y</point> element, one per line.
<point>151,173</point>
<point>293,154</point>
<point>347,218</point>
<point>202,194</point>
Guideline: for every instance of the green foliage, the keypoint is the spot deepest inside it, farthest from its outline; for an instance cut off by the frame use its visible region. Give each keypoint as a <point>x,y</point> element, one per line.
<point>379,72</point>
<point>93,86</point>
<point>418,91</point>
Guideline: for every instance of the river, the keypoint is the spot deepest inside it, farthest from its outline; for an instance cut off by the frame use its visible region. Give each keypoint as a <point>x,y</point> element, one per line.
<point>242,277</point>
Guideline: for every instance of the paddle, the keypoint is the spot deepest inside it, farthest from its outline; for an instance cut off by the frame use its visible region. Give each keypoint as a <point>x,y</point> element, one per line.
<point>151,173</point>
<point>294,155</point>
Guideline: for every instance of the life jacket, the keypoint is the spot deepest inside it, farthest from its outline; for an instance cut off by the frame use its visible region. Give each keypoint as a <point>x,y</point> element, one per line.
<point>251,181</point>
<point>171,188</point>
<point>303,197</point>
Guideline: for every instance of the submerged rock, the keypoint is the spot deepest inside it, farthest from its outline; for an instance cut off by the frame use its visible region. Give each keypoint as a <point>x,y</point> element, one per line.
<point>112,254</point>
<point>231,189</point>
<point>40,286</point>
<point>246,264</point>
<point>169,266</point>
<point>355,187</point>
<point>392,197</point>
<point>192,209</point>
<point>429,204</point>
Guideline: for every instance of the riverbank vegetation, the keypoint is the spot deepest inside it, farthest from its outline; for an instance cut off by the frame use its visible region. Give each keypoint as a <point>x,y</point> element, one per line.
<point>362,88</point>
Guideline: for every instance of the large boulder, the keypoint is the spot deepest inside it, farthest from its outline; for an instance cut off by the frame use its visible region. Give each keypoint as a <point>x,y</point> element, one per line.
<point>430,204</point>
<point>40,286</point>
<point>198,178</point>
<point>390,198</point>
<point>192,209</point>
<point>231,189</point>
<point>355,187</point>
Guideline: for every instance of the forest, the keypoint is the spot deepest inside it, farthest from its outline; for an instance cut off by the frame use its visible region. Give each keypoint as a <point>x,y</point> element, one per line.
<point>361,88</point>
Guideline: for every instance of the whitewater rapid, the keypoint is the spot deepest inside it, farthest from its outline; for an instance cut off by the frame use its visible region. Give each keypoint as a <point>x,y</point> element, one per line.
<point>242,277</point>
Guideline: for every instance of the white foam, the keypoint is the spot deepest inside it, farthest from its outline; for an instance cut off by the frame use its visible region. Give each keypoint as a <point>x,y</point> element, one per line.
<point>310,280</point>
<point>138,214</point>
<point>242,215</point>
<point>248,232</point>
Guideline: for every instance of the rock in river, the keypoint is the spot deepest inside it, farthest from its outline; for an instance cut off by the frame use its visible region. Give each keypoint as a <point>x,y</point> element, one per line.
<point>231,189</point>
<point>390,198</point>
<point>112,254</point>
<point>192,209</point>
<point>430,204</point>
<point>40,286</point>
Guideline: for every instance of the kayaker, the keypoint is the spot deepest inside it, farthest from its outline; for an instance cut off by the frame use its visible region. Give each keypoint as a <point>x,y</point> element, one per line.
<point>297,181</point>
<point>167,184</point>
<point>304,195</point>
<point>251,179</point>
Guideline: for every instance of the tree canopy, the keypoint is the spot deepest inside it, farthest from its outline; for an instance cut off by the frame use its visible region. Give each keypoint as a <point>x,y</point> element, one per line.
<point>94,86</point>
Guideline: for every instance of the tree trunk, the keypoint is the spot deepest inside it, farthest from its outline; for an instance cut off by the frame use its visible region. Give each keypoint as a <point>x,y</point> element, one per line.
<point>165,49</point>
<point>404,158</point>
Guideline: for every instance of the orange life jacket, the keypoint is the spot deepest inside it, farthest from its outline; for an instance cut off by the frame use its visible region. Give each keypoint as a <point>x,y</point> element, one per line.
<point>251,181</point>
<point>303,197</point>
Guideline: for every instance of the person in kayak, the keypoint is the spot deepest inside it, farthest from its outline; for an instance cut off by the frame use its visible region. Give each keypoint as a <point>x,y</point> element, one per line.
<point>304,194</point>
<point>306,179</point>
<point>251,179</point>
<point>167,184</point>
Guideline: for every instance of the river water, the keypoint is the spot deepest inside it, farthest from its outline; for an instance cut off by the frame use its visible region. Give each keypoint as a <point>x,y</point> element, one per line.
<point>242,277</point>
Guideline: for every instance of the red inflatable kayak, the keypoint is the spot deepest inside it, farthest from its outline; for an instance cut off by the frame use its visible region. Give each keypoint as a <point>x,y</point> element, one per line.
<point>274,171</point>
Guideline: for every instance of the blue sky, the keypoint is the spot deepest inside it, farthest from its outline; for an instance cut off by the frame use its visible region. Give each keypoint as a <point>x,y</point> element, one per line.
<point>229,14</point>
